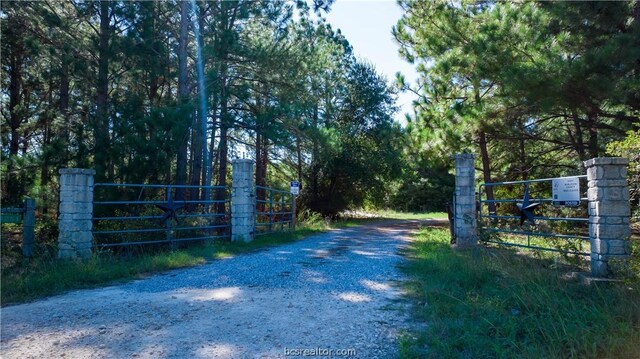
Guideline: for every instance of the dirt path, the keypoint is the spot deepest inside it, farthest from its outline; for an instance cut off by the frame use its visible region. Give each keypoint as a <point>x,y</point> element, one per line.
<point>335,293</point>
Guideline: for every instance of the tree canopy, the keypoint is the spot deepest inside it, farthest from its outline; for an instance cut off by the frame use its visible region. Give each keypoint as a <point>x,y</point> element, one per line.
<point>171,91</point>
<point>535,87</point>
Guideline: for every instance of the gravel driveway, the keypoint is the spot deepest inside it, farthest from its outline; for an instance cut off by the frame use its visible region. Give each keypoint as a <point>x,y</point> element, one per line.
<point>334,294</point>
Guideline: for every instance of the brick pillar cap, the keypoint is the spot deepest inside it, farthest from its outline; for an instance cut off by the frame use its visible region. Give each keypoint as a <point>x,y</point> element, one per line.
<point>76,171</point>
<point>463,156</point>
<point>606,161</point>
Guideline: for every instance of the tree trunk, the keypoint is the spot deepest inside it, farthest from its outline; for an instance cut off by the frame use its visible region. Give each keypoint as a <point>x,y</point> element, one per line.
<point>47,134</point>
<point>183,92</point>
<point>222,155</point>
<point>592,118</point>
<point>196,159</point>
<point>63,104</point>
<point>524,171</point>
<point>223,148</point>
<point>579,145</point>
<point>260,173</point>
<point>14,187</point>
<point>486,169</point>
<point>299,154</point>
<point>104,169</point>
<point>315,167</point>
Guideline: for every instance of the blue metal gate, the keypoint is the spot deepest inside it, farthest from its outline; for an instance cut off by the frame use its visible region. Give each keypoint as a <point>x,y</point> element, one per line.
<point>554,228</point>
<point>274,211</point>
<point>141,214</point>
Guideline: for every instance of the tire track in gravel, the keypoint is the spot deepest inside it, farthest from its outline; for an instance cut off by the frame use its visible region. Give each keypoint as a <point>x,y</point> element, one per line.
<point>330,292</point>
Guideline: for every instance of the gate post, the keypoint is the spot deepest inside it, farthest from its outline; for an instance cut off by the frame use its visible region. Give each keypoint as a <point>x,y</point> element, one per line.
<point>76,212</point>
<point>609,212</point>
<point>464,217</point>
<point>28,227</point>
<point>242,206</point>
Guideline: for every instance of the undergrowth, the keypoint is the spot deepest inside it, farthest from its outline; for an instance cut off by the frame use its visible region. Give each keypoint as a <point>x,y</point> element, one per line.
<point>498,304</point>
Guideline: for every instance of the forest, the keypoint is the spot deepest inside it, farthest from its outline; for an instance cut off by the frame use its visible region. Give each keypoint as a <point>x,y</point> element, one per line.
<point>172,91</point>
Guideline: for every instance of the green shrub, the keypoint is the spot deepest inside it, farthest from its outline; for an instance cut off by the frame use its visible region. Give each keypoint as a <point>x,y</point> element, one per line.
<point>493,303</point>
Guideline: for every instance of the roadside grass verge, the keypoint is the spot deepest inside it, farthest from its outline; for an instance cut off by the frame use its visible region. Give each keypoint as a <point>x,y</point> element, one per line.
<point>38,278</point>
<point>498,304</point>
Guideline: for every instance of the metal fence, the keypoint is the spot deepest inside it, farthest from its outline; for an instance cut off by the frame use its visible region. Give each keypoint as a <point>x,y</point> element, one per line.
<point>273,209</point>
<point>141,214</point>
<point>26,216</point>
<point>556,228</point>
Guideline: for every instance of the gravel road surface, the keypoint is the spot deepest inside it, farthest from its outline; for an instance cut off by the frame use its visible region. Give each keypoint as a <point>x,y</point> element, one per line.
<point>335,294</point>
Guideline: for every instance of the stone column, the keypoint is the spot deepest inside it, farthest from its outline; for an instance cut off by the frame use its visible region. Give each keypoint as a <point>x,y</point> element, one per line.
<point>76,210</point>
<point>242,206</point>
<point>464,215</point>
<point>609,212</point>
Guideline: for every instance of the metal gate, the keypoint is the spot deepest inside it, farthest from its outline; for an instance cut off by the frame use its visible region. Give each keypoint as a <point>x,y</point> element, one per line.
<point>141,214</point>
<point>274,211</point>
<point>533,220</point>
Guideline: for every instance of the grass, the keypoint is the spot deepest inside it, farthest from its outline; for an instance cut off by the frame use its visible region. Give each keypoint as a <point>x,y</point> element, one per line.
<point>494,303</point>
<point>38,278</point>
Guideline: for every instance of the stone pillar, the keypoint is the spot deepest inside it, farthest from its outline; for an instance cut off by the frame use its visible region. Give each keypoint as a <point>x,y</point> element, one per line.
<point>242,206</point>
<point>76,210</point>
<point>464,216</point>
<point>609,212</point>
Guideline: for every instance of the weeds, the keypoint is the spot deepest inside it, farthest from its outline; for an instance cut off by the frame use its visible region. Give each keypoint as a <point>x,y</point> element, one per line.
<point>495,303</point>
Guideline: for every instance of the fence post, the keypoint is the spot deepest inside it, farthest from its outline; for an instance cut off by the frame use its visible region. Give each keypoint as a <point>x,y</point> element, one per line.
<point>242,205</point>
<point>464,217</point>
<point>292,224</point>
<point>281,211</point>
<point>609,213</point>
<point>75,214</point>
<point>270,210</point>
<point>28,227</point>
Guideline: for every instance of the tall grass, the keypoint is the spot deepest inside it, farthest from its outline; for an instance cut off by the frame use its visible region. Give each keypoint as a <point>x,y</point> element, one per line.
<point>495,303</point>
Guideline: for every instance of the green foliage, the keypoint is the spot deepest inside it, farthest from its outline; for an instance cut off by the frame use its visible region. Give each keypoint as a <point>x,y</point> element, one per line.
<point>427,189</point>
<point>493,303</point>
<point>547,84</point>
<point>629,147</point>
<point>114,86</point>
<point>356,153</point>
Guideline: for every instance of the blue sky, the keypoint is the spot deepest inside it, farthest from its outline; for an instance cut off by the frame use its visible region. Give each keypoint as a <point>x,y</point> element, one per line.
<point>367,25</point>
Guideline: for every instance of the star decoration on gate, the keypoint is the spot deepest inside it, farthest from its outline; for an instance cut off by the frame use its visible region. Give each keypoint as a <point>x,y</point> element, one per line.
<point>170,210</point>
<point>526,208</point>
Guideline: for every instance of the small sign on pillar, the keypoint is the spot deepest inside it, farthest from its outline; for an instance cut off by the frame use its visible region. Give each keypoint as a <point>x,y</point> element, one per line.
<point>295,188</point>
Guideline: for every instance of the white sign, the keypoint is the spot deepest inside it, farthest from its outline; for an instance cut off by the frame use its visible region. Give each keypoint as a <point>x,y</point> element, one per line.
<point>566,191</point>
<point>295,187</point>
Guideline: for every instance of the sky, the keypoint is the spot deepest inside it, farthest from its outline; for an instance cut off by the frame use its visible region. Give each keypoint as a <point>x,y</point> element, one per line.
<point>367,25</point>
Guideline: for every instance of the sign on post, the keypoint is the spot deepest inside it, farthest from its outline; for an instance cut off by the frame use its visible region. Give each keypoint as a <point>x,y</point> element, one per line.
<point>295,188</point>
<point>566,191</point>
